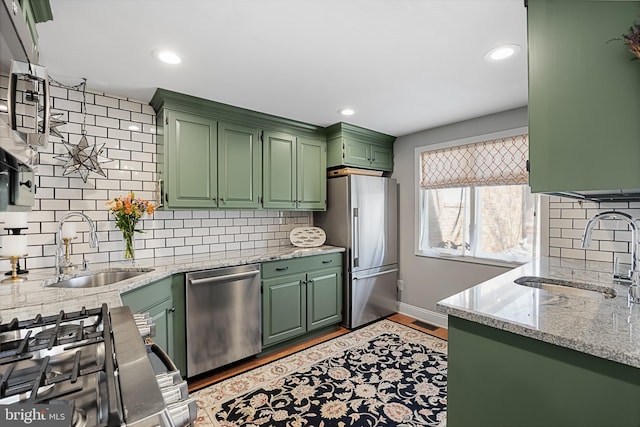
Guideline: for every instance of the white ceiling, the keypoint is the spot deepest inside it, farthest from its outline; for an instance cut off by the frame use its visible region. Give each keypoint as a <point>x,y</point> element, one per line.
<point>403,65</point>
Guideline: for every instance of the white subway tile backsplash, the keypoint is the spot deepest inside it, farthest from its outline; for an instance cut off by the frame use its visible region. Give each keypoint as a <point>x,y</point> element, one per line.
<point>610,238</point>
<point>132,168</point>
<point>116,113</point>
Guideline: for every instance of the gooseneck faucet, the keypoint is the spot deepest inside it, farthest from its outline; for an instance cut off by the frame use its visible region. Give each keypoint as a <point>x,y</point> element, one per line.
<point>588,231</point>
<point>93,236</point>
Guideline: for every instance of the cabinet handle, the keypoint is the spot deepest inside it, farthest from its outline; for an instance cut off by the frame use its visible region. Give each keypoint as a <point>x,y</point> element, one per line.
<point>285,268</point>
<point>327,261</point>
<point>222,199</point>
<point>171,310</point>
<point>214,198</point>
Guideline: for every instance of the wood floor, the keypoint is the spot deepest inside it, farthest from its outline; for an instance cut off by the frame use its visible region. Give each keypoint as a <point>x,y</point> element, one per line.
<point>238,368</point>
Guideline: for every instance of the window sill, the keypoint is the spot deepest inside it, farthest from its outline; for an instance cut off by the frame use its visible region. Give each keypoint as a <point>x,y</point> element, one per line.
<point>473,260</point>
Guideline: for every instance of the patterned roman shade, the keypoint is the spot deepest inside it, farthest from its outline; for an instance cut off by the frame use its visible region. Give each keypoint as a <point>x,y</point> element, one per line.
<point>497,162</point>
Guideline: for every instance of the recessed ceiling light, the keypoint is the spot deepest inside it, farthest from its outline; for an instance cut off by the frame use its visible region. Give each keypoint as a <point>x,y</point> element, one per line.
<point>346,111</point>
<point>167,56</point>
<point>502,52</point>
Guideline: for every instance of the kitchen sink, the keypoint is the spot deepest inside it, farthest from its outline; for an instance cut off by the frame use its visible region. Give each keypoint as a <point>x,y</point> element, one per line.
<point>103,278</point>
<point>567,287</point>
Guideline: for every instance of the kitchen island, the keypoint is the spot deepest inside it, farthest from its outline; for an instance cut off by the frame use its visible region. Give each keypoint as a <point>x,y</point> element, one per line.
<point>27,299</point>
<point>527,356</point>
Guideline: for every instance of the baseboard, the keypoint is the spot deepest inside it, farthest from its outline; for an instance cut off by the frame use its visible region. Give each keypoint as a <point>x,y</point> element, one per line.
<point>425,315</point>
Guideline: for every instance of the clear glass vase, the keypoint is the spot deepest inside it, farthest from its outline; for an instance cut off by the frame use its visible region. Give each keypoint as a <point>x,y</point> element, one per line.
<point>129,245</point>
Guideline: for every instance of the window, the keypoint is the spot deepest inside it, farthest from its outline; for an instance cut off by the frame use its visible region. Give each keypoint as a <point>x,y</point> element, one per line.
<point>474,201</point>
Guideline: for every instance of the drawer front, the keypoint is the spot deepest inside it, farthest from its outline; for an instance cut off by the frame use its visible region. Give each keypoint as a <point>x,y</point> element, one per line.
<point>285,267</point>
<point>320,262</point>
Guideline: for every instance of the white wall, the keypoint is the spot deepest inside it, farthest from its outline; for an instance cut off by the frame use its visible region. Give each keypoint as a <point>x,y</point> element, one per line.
<point>428,280</point>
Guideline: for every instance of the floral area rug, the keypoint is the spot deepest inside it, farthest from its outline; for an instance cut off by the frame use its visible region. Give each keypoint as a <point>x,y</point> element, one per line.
<point>385,374</point>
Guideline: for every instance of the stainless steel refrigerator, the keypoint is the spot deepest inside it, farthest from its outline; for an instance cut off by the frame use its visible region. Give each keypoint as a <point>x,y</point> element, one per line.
<point>362,216</point>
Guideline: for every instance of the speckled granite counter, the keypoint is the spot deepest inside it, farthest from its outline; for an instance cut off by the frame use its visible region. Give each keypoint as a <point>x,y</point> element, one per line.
<point>605,327</point>
<point>27,299</point>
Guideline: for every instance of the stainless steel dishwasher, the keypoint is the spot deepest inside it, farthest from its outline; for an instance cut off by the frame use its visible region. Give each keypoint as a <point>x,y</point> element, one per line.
<point>223,319</point>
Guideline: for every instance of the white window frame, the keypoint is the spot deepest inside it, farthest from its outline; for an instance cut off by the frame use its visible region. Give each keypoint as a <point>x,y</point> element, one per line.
<point>419,202</point>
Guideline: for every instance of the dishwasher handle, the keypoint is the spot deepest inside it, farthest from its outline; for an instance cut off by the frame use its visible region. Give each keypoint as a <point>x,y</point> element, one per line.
<point>224,277</point>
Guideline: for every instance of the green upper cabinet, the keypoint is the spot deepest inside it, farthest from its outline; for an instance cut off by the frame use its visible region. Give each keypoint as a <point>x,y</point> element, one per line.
<point>349,145</point>
<point>294,172</point>
<point>279,170</point>
<point>584,96</point>
<point>311,174</point>
<point>191,144</point>
<point>212,155</point>
<point>239,166</point>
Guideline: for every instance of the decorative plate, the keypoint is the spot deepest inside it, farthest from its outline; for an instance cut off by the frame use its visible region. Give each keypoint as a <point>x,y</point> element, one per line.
<point>307,237</point>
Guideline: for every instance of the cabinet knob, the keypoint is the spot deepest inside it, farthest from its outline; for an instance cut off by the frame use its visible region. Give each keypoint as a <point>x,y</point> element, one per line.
<point>171,310</point>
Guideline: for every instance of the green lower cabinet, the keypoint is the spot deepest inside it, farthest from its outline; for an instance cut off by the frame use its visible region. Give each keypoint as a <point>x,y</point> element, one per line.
<point>300,295</point>
<point>497,378</point>
<point>324,296</point>
<point>283,308</point>
<point>164,301</point>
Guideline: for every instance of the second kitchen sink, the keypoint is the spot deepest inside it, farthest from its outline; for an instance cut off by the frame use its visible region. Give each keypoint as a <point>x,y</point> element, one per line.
<point>567,287</point>
<point>103,278</point>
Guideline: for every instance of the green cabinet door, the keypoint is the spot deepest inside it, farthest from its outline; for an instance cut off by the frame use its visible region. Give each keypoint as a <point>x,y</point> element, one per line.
<point>279,173</point>
<point>283,308</point>
<point>584,103</point>
<point>164,301</point>
<point>381,157</point>
<point>324,296</point>
<point>311,174</point>
<point>498,378</point>
<point>239,166</point>
<point>192,161</point>
<point>357,153</point>
<point>162,316</point>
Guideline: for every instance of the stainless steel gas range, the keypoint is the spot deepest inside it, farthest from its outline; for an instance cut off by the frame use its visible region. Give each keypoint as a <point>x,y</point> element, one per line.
<point>88,368</point>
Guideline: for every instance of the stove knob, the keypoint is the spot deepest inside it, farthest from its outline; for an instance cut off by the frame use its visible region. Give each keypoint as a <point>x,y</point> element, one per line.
<point>175,393</point>
<point>168,379</point>
<point>183,413</point>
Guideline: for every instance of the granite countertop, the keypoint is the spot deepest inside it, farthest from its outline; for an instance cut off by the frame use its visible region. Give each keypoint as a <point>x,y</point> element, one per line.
<point>604,327</point>
<point>32,297</point>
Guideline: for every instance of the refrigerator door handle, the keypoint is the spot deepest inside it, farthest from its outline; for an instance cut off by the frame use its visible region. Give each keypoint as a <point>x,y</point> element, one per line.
<point>393,270</point>
<point>356,238</point>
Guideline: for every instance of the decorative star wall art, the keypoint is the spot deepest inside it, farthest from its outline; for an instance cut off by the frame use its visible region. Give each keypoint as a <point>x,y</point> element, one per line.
<point>83,158</point>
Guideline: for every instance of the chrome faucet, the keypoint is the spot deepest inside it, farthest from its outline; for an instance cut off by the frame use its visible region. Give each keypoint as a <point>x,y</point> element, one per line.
<point>632,275</point>
<point>93,238</point>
